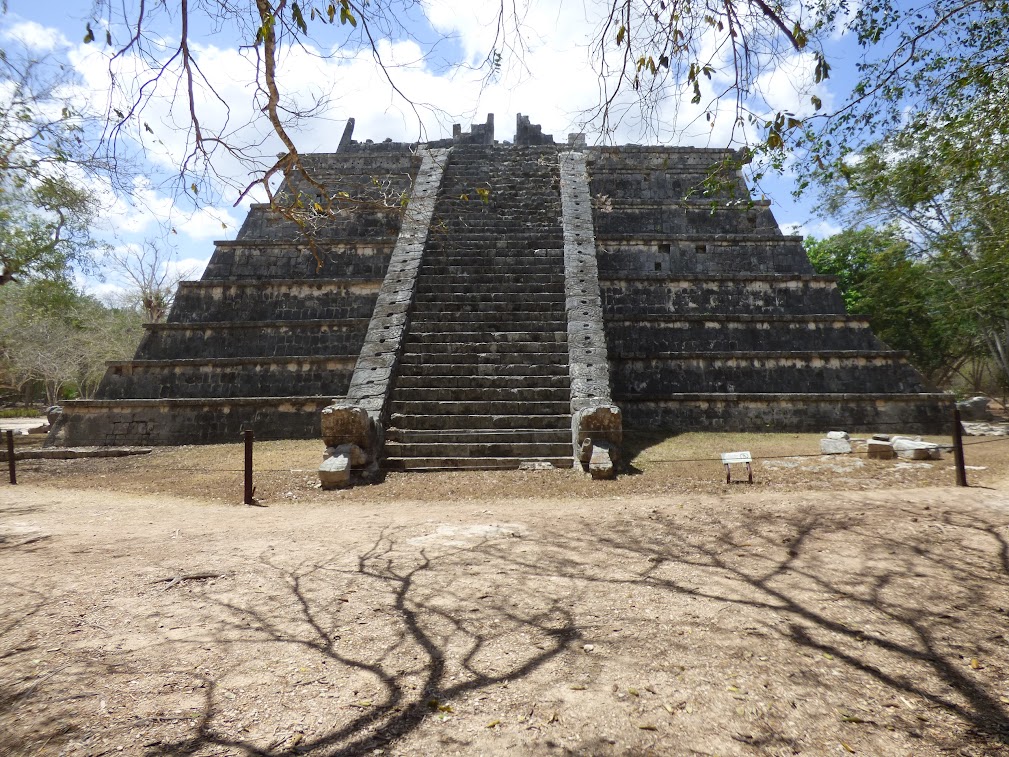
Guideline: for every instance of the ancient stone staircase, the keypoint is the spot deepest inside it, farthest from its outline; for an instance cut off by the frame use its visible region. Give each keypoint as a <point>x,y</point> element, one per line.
<point>483,379</point>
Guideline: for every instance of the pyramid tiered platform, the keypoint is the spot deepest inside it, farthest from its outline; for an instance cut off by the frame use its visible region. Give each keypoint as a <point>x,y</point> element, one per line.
<point>527,292</point>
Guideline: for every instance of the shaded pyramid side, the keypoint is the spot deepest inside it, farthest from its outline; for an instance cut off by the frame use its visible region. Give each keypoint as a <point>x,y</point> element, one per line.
<point>717,321</point>
<point>271,332</point>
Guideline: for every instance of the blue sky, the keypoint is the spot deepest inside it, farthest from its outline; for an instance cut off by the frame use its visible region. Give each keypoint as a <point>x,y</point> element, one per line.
<point>552,81</point>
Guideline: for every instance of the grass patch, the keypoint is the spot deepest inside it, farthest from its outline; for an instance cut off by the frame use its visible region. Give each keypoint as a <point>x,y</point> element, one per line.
<point>20,412</point>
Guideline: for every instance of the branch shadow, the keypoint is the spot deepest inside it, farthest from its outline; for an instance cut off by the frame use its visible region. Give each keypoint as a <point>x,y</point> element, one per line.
<point>433,625</point>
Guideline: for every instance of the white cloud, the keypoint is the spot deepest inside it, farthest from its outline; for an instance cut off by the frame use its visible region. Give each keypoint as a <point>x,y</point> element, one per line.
<point>35,36</point>
<point>819,229</point>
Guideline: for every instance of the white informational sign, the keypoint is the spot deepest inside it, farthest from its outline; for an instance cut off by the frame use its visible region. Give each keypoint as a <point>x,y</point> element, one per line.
<point>736,457</point>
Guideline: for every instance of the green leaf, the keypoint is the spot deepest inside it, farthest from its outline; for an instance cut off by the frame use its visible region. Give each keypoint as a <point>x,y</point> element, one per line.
<point>817,102</point>
<point>90,36</point>
<point>298,18</point>
<point>346,17</point>
<point>621,33</point>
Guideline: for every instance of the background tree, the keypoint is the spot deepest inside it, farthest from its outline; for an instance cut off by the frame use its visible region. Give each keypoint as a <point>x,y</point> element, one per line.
<point>908,307</point>
<point>151,271</point>
<point>54,338</point>
<point>45,229</point>
<point>944,183</point>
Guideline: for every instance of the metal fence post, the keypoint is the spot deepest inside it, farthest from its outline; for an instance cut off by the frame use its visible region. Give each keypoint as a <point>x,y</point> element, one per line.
<point>961,472</point>
<point>11,465</point>
<point>249,489</point>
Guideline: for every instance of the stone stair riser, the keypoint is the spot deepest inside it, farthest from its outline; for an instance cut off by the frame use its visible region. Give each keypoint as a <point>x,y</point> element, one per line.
<point>525,369</point>
<point>432,464</point>
<point>477,422</point>
<point>479,436</point>
<point>481,393</point>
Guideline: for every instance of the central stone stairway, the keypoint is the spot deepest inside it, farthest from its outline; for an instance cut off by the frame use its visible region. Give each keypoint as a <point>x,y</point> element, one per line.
<point>483,380</point>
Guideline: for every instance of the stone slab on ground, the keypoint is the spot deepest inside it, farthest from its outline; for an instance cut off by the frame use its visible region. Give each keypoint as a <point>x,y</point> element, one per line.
<point>835,446</point>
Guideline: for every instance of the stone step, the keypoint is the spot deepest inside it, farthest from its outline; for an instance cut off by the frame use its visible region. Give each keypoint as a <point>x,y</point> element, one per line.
<point>491,325</point>
<point>433,285</point>
<point>526,266</point>
<point>480,407</point>
<point>481,394</point>
<point>525,369</point>
<point>516,447</point>
<point>478,278</point>
<point>499,360</point>
<point>561,381</point>
<point>479,435</point>
<point>486,302</point>
<point>513,350</point>
<point>440,422</point>
<point>513,240</point>
<point>423,336</point>
<point>420,464</point>
<point>470,319</point>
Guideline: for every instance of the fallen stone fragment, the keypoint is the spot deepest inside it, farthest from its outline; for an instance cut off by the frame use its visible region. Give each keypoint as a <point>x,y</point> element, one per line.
<point>975,409</point>
<point>879,449</point>
<point>835,446</point>
<point>601,463</point>
<point>358,457</point>
<point>334,473</point>
<point>916,449</point>
<point>838,435</point>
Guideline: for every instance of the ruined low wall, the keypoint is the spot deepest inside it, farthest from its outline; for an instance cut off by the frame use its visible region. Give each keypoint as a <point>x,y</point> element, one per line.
<point>165,341</point>
<point>665,294</point>
<point>708,256</point>
<point>782,372</point>
<point>353,259</point>
<point>797,413</point>
<point>645,336</point>
<point>228,377</point>
<point>274,300</point>
<point>186,421</point>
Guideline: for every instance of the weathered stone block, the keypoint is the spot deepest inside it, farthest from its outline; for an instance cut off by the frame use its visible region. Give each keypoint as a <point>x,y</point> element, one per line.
<point>334,473</point>
<point>343,423</point>
<point>835,446</point>
<point>915,449</point>
<point>879,450</point>
<point>357,456</point>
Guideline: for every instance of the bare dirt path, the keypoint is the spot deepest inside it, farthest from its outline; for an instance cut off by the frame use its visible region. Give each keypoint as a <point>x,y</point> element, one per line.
<point>740,623</point>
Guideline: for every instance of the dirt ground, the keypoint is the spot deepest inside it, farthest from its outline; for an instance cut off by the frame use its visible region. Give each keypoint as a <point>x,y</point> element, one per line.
<point>837,606</point>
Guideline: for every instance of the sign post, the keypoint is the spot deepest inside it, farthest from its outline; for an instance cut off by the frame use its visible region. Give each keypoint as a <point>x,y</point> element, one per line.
<point>728,458</point>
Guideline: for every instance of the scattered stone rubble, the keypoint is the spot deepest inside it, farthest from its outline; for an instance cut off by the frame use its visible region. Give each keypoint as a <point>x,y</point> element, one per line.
<point>881,446</point>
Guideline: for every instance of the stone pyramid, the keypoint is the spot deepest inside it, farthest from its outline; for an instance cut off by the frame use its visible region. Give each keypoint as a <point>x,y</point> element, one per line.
<point>529,297</point>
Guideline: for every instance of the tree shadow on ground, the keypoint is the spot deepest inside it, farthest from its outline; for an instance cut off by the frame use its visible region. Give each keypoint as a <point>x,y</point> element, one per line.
<point>907,610</point>
<point>432,650</point>
<point>903,603</point>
